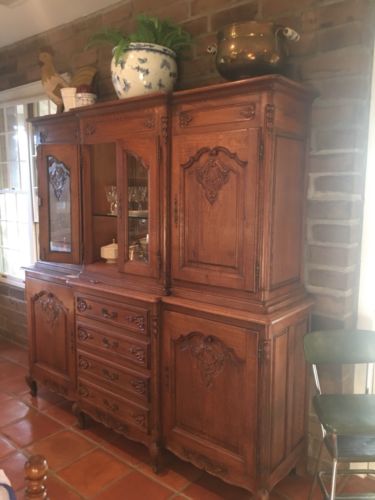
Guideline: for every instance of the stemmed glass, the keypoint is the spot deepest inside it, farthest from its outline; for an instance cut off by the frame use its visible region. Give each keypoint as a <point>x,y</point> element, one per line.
<point>111,194</point>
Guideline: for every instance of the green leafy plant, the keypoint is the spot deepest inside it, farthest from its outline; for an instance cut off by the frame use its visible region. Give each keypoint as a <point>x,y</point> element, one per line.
<point>149,30</point>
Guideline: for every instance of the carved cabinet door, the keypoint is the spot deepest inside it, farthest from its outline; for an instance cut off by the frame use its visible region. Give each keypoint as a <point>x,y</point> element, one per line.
<point>209,391</point>
<point>51,335</point>
<point>59,203</point>
<point>215,207</point>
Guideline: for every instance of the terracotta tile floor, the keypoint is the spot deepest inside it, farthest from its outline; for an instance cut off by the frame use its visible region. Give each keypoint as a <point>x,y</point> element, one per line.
<point>96,463</point>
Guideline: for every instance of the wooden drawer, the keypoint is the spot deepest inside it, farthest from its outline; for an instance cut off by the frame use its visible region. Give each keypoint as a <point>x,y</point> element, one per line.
<point>130,317</point>
<point>113,343</point>
<point>188,116</point>
<point>123,381</point>
<point>120,408</point>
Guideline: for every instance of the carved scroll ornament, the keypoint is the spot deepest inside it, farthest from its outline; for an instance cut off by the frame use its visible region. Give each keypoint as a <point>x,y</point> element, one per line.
<point>51,306</point>
<point>58,175</point>
<point>213,168</point>
<point>210,353</point>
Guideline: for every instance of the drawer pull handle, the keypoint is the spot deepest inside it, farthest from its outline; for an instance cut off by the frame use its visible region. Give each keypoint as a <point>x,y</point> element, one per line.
<point>111,406</point>
<point>110,345</point>
<point>110,375</point>
<point>109,315</point>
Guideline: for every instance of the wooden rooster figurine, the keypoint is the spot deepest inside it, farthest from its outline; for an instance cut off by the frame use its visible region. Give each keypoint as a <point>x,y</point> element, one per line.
<point>53,82</point>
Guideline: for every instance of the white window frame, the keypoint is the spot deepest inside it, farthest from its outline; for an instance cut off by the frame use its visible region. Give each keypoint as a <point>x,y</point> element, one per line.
<point>22,95</point>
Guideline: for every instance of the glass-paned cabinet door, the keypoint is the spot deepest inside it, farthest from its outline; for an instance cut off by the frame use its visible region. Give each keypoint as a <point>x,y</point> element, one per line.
<point>59,212</point>
<point>139,207</point>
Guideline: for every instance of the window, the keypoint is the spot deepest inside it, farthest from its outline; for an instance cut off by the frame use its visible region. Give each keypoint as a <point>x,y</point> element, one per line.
<point>18,210</point>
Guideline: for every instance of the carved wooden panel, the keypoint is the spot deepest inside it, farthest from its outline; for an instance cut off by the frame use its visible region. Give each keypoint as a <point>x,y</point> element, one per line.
<point>51,334</point>
<point>209,391</point>
<point>215,195</point>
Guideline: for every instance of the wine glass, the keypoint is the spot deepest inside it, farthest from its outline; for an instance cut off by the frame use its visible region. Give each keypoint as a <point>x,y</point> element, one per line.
<point>111,194</point>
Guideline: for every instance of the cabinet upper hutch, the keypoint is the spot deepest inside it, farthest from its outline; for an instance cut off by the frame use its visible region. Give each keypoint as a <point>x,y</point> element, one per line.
<point>189,337</point>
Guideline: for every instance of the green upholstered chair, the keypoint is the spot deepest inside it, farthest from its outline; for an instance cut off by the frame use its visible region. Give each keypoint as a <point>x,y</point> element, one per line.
<point>347,420</point>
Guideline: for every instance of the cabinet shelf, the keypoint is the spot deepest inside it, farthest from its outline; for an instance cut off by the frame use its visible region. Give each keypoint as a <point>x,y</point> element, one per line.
<point>138,214</point>
<point>104,215</point>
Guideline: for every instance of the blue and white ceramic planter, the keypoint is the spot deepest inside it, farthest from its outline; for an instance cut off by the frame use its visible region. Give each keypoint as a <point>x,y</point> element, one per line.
<point>144,68</point>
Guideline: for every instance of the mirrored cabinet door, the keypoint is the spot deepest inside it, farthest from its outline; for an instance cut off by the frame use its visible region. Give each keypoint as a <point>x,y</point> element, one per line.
<point>58,203</point>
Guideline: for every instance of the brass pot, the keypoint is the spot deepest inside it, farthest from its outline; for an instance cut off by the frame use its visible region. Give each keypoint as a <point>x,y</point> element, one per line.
<point>252,48</point>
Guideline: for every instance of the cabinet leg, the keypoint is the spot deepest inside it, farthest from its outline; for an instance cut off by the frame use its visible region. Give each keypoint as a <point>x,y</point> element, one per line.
<point>262,494</point>
<point>32,385</point>
<point>82,418</point>
<point>155,454</point>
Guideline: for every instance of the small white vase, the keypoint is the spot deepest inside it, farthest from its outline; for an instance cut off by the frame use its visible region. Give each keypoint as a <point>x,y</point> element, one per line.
<point>144,68</point>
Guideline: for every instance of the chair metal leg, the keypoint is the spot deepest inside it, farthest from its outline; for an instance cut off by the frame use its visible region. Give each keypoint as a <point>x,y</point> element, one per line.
<point>333,482</point>
<point>315,478</point>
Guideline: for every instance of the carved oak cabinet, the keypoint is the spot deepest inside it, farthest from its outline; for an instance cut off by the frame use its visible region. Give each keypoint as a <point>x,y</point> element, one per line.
<point>191,338</point>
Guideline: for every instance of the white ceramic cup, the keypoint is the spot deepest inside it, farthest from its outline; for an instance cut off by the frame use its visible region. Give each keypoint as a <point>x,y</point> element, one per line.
<point>68,95</point>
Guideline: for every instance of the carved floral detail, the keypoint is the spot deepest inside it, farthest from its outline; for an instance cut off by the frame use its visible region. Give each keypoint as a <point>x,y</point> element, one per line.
<point>185,119</point>
<point>58,175</point>
<point>84,363</point>
<point>139,385</point>
<point>248,111</point>
<point>82,305</point>
<point>110,422</point>
<point>140,419</point>
<point>164,128</point>
<point>90,129</point>
<point>51,306</point>
<point>204,462</point>
<point>270,115</point>
<point>138,352</point>
<point>149,122</point>
<point>55,386</point>
<point>213,169</point>
<point>210,353</point>
<point>138,321</point>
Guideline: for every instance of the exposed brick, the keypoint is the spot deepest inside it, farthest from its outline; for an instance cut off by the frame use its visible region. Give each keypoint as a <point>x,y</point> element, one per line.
<point>326,305</point>
<point>245,12</point>
<point>113,16</point>
<point>343,12</point>
<point>331,139</point>
<point>326,323</point>
<point>205,6</point>
<point>351,60</point>
<point>331,279</point>
<point>273,8</point>
<point>346,114</point>
<point>353,87</point>
<point>332,256</point>
<point>305,46</point>
<point>178,11</point>
<point>196,27</point>
<point>340,36</point>
<point>338,184</point>
<point>341,209</point>
<point>343,162</point>
<point>331,233</point>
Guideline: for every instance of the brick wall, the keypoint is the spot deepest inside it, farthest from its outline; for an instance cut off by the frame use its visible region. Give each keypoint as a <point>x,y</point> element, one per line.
<point>334,56</point>
<point>13,314</point>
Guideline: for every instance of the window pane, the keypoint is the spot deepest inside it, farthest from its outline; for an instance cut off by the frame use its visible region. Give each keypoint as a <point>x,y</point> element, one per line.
<point>3,154</point>
<point>12,147</point>
<point>11,118</point>
<point>2,122</point>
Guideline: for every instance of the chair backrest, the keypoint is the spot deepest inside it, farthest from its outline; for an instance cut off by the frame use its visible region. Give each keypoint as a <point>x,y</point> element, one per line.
<point>340,346</point>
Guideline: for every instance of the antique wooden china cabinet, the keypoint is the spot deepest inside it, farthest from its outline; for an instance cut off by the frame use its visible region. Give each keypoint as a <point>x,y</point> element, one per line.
<point>189,337</point>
